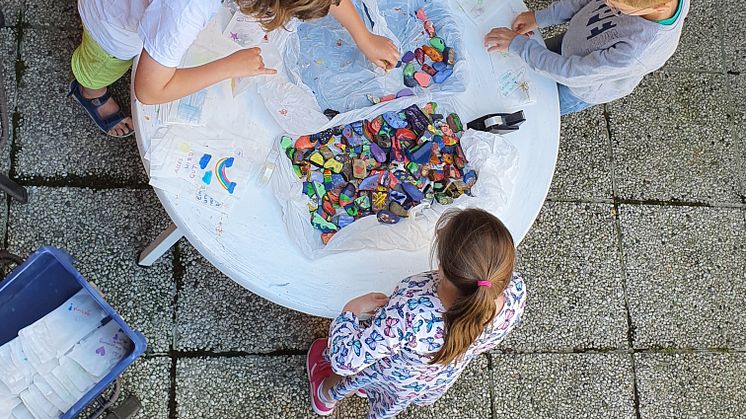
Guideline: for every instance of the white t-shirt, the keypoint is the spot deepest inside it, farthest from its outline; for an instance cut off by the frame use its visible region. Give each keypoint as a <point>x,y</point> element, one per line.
<point>165,28</point>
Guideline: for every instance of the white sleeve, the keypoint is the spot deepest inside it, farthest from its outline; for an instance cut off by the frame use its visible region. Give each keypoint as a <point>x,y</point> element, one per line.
<point>169,27</point>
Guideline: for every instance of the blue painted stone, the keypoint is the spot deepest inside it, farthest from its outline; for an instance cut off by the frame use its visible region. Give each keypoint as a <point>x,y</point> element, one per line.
<point>442,75</point>
<point>392,118</point>
<point>404,92</point>
<point>387,217</point>
<point>337,180</point>
<point>377,152</point>
<point>469,177</point>
<point>343,220</point>
<point>409,81</point>
<point>357,126</point>
<point>412,191</point>
<point>421,153</point>
<point>408,57</point>
<point>370,183</point>
<point>397,196</point>
<point>438,66</point>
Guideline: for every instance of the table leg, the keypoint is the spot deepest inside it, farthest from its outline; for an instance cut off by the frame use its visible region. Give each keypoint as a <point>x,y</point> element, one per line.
<point>160,245</point>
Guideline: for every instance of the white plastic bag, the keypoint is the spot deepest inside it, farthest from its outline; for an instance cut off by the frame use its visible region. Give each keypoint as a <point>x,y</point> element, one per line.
<point>489,155</point>
<point>323,68</point>
<point>102,349</point>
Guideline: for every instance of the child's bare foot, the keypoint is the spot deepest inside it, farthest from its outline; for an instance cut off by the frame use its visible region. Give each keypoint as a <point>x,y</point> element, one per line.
<point>109,108</point>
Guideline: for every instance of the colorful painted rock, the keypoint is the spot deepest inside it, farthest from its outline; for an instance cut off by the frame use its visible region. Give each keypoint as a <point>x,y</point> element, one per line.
<point>387,217</point>
<point>443,199</point>
<point>326,237</point>
<point>370,183</point>
<point>359,169</point>
<point>396,196</point>
<point>433,53</point>
<point>342,220</point>
<point>437,43</point>
<point>442,75</point>
<point>439,66</point>
<point>421,153</point>
<point>423,79</point>
<point>316,159</point>
<point>378,200</point>
<point>430,108</point>
<point>375,125</point>
<point>363,201</point>
<point>388,98</point>
<point>373,99</point>
<point>397,209</point>
<point>383,140</point>
<point>409,81</point>
<point>405,134</point>
<point>286,142</point>
<point>449,56</point>
<point>407,57</point>
<point>414,168</point>
<point>412,191</point>
<point>417,120</point>
<point>357,126</point>
<point>429,28</point>
<point>393,119</point>
<point>377,153</point>
<point>408,70</point>
<point>470,178</point>
<point>333,165</point>
<point>429,70</point>
<point>454,122</point>
<point>419,55</point>
<point>421,15</point>
<point>404,92</point>
<point>326,152</point>
<point>323,137</point>
<point>320,223</point>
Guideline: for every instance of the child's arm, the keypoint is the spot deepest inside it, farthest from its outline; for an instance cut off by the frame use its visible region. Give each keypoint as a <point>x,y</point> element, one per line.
<point>378,49</point>
<point>559,12</point>
<point>352,348</point>
<point>597,67</point>
<point>155,83</point>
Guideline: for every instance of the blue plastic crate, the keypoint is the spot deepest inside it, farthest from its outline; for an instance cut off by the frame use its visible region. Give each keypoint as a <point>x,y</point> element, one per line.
<point>41,284</point>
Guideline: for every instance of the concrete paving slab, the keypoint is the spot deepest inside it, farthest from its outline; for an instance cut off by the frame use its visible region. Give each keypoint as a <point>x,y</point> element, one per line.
<point>61,13</point>
<point>104,231</point>
<point>214,313</point>
<point>691,385</point>
<point>686,276</point>
<point>11,11</point>
<point>563,386</point>
<point>8,55</point>
<point>149,379</point>
<point>260,387</point>
<point>584,163</point>
<point>672,139</point>
<point>700,47</point>
<point>571,266</point>
<point>57,139</point>
<point>734,20</point>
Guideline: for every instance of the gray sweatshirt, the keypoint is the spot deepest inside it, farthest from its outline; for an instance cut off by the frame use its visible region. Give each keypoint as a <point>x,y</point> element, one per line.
<point>605,54</point>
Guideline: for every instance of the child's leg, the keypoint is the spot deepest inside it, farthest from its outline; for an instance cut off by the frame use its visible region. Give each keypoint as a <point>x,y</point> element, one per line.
<point>95,70</point>
<point>554,43</point>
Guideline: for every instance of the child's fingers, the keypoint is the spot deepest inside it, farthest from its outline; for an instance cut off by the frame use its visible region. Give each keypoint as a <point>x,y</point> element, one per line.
<point>267,71</point>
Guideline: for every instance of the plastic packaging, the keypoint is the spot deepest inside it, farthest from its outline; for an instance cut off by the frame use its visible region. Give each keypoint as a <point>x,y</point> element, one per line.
<point>101,350</point>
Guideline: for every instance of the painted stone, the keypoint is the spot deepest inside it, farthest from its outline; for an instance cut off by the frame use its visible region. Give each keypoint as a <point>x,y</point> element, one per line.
<point>393,119</point>
<point>439,66</point>
<point>388,98</point>
<point>407,57</point>
<point>316,159</point>
<point>429,28</point>
<point>421,15</point>
<point>454,121</point>
<point>397,209</point>
<point>437,43</point>
<point>378,200</point>
<point>327,237</point>
<point>423,79</point>
<point>377,152</point>
<point>286,142</point>
<point>449,56</point>
<point>387,217</point>
<point>363,201</point>
<point>417,120</point>
<point>430,108</point>
<point>359,169</point>
<point>412,191</point>
<point>442,75</point>
<point>373,99</point>
<point>320,223</point>
<point>384,140</point>
<point>419,55</point>
<point>369,183</point>
<point>429,70</point>
<point>342,220</point>
<point>376,124</point>
<point>404,92</point>
<point>408,70</point>
<point>396,196</point>
<point>357,126</point>
<point>404,134</point>
<point>421,153</point>
<point>433,53</point>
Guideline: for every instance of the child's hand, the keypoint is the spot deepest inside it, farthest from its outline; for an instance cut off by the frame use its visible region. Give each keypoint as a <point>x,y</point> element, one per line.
<point>379,50</point>
<point>367,303</point>
<point>525,23</point>
<point>247,62</point>
<point>499,39</point>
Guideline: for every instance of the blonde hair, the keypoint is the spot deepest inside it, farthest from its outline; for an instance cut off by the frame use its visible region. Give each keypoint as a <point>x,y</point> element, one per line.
<point>643,4</point>
<point>274,14</point>
<point>471,245</point>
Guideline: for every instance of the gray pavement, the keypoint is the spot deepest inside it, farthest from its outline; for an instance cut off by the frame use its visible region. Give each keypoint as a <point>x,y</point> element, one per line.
<point>636,266</point>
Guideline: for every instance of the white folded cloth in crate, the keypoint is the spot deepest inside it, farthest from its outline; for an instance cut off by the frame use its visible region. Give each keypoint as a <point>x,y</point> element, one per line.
<point>58,358</point>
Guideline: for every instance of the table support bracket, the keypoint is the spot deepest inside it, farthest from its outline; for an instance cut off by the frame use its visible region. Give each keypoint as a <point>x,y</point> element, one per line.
<point>160,245</point>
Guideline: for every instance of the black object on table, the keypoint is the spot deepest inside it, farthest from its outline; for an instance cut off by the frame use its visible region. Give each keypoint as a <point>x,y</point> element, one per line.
<point>498,123</point>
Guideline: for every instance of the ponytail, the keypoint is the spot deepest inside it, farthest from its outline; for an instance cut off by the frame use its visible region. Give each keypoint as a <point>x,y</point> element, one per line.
<point>476,254</point>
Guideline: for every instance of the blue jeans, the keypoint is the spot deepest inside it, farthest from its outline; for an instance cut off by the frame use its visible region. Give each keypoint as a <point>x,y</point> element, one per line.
<point>568,102</point>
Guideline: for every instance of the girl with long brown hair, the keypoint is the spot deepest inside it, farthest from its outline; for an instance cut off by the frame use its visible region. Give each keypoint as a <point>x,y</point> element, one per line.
<point>423,335</point>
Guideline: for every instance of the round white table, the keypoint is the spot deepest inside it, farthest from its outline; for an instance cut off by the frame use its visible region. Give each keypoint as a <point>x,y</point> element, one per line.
<point>252,246</point>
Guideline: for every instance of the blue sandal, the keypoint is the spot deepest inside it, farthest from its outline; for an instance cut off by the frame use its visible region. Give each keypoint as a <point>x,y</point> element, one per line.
<point>91,107</point>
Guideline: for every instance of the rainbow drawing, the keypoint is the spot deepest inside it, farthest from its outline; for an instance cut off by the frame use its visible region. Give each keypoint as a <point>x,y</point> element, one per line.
<point>222,177</point>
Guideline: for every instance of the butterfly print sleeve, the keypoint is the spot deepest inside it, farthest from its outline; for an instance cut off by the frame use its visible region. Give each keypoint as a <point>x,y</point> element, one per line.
<point>352,348</point>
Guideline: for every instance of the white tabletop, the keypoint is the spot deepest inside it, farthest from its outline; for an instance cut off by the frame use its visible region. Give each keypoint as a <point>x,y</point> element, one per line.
<point>253,247</point>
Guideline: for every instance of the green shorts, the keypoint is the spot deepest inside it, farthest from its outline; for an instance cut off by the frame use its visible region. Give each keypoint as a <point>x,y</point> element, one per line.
<point>93,67</point>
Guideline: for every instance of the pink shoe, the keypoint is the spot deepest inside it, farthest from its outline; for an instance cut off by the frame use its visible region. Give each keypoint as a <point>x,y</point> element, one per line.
<point>318,369</point>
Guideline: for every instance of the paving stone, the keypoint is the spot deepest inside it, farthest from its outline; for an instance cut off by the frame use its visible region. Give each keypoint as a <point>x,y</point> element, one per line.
<point>686,276</point>
<point>11,11</point>
<point>734,20</point>
<point>104,231</point>
<point>691,385</point>
<point>672,140</point>
<point>571,266</point>
<point>701,39</point>
<point>60,13</point>
<point>8,54</point>
<point>738,92</point>
<point>584,165</point>
<point>236,387</point>
<point>57,139</point>
<point>214,313</point>
<point>468,398</point>
<point>149,379</point>
<point>562,386</point>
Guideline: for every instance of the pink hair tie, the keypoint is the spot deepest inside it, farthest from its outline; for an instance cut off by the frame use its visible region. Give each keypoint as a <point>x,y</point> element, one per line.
<point>487,284</point>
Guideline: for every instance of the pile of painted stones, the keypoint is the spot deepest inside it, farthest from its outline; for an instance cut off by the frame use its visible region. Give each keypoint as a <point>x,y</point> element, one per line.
<point>384,166</point>
<point>435,62</point>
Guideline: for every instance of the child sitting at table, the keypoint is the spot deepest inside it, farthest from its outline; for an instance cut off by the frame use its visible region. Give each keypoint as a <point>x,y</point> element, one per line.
<point>434,324</point>
<point>161,31</point>
<point>609,45</point>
